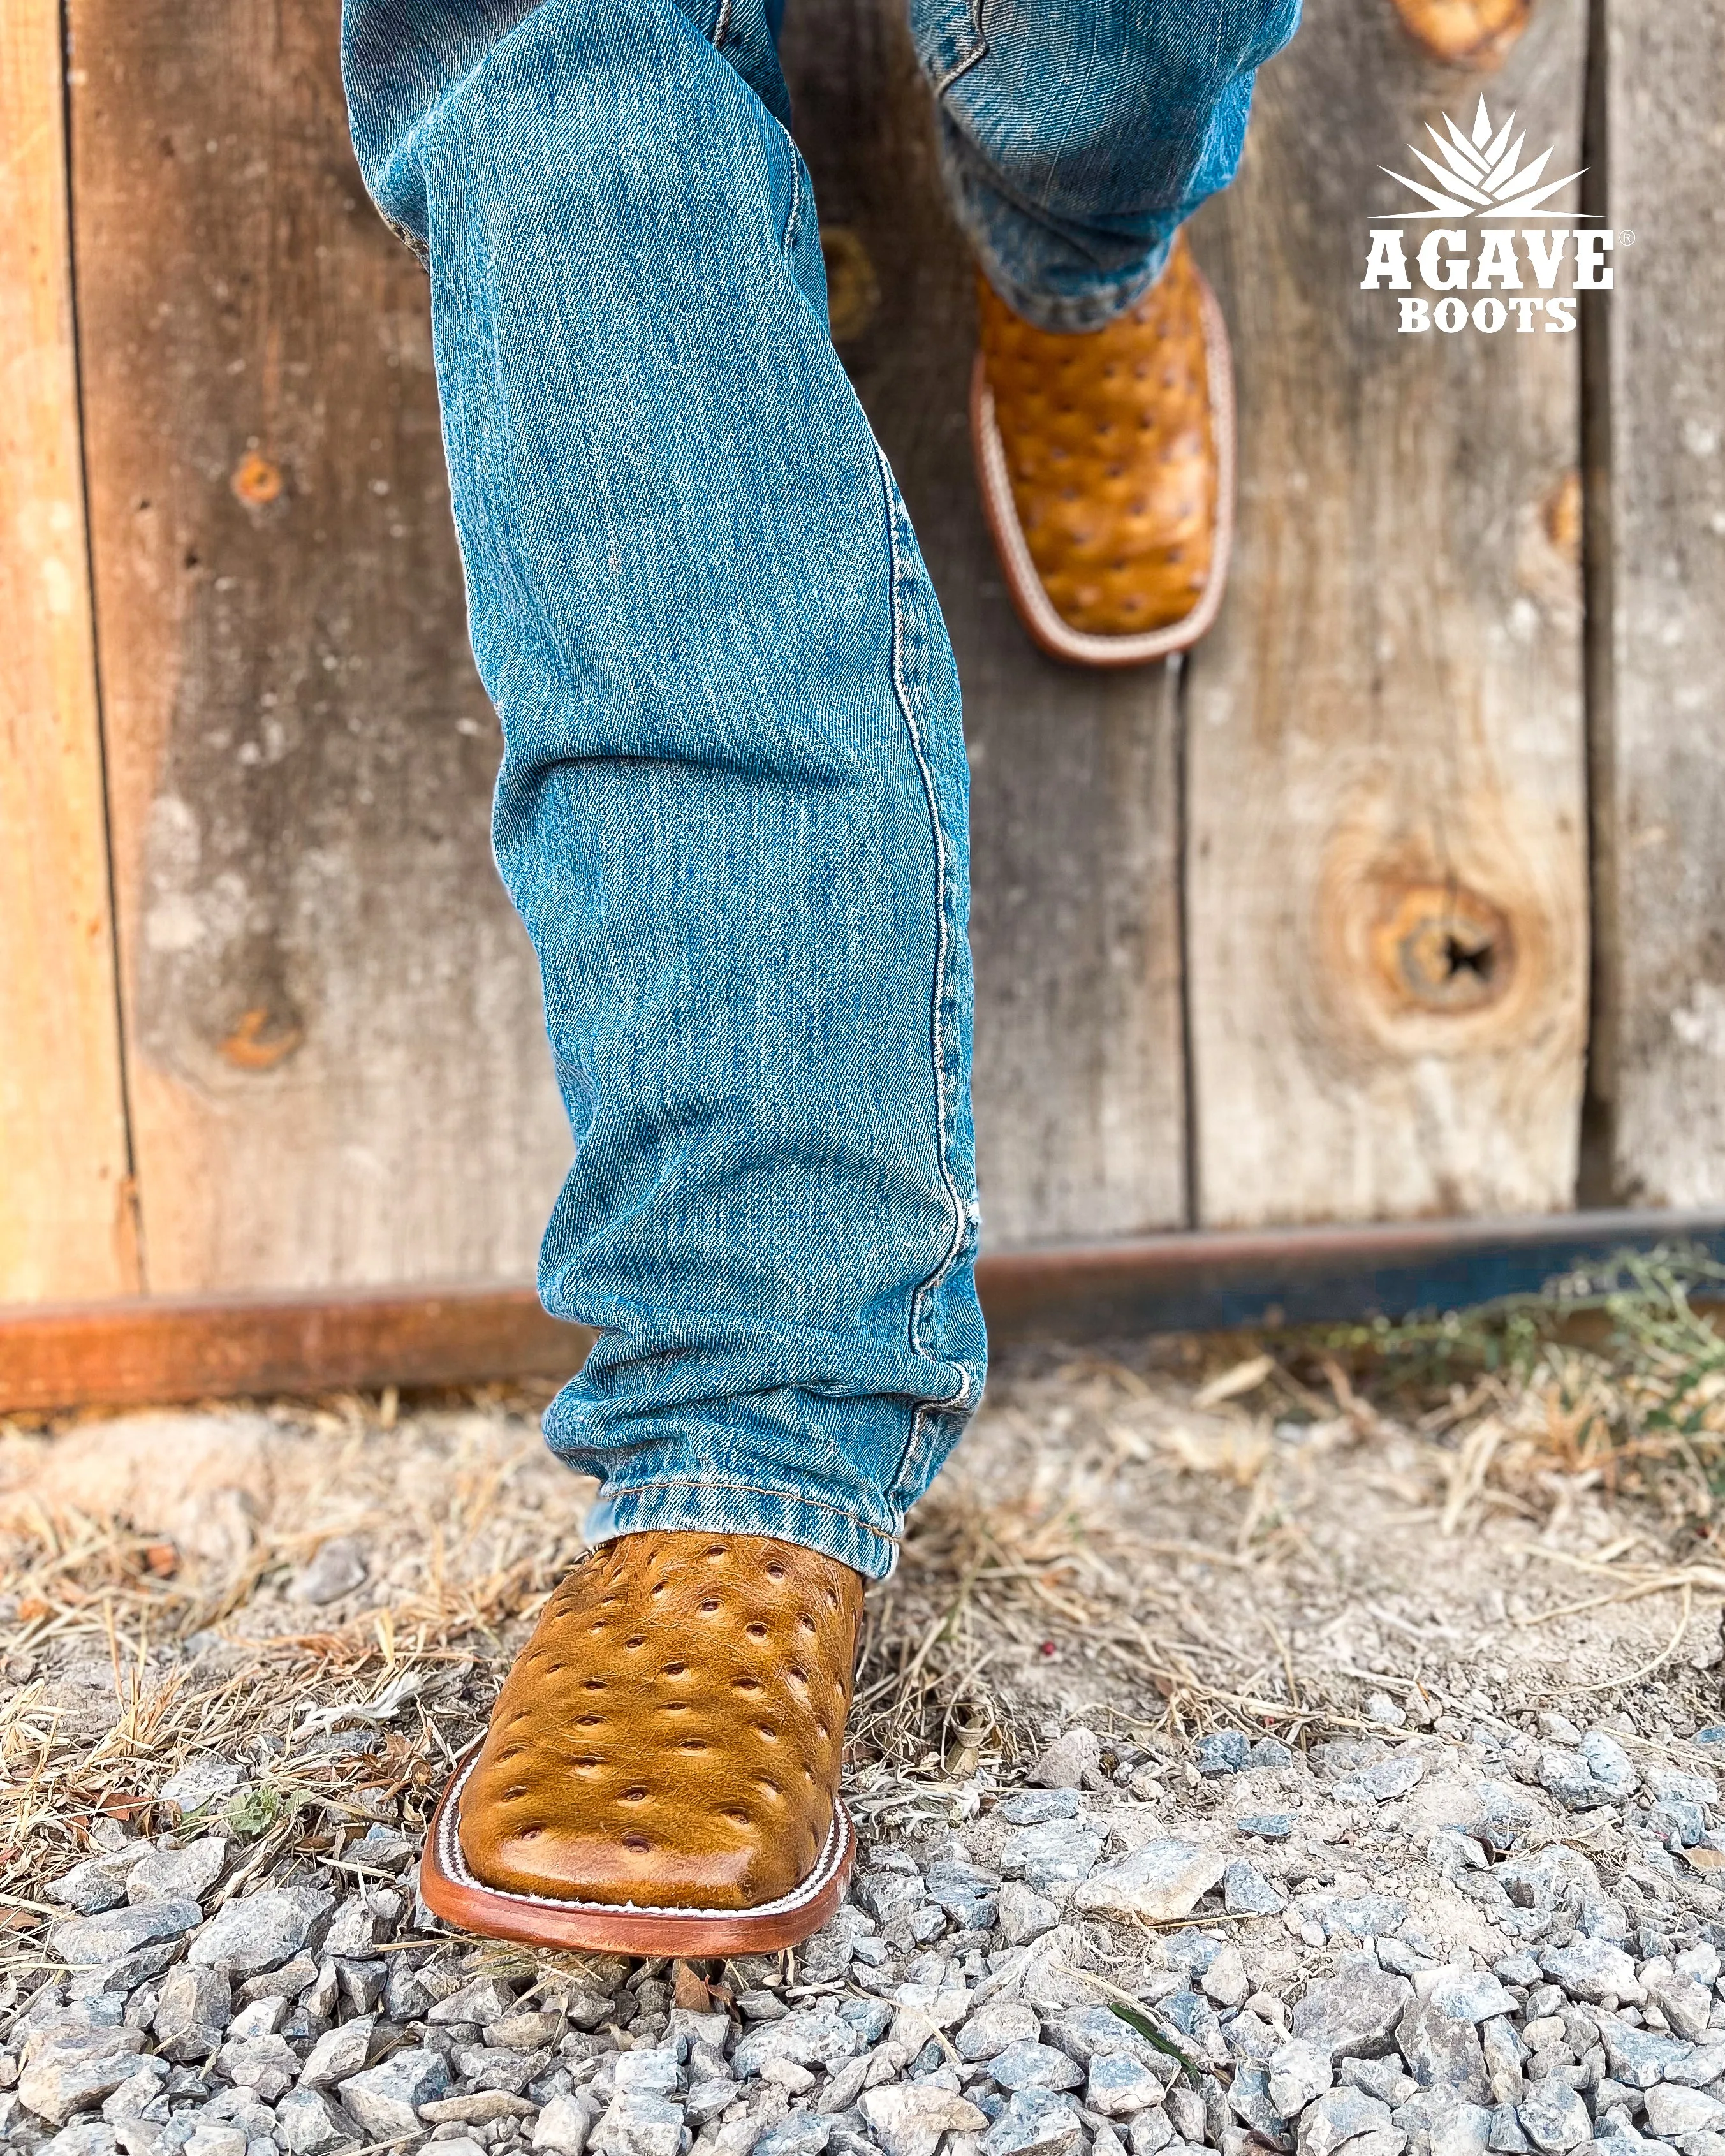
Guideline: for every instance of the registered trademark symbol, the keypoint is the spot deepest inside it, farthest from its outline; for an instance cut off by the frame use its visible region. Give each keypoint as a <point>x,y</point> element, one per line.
<point>1625,239</point>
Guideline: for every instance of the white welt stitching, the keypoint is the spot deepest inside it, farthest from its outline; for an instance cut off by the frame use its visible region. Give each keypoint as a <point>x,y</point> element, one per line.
<point>454,1863</point>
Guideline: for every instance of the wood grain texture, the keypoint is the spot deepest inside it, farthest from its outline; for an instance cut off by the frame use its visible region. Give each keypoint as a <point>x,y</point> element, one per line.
<point>65,1220</point>
<point>1386,874</point>
<point>1079,1098</point>
<point>333,1019</point>
<point>339,1075</point>
<point>1661,769</point>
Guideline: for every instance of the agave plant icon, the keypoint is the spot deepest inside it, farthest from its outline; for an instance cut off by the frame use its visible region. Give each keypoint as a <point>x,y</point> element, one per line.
<point>1485,176</point>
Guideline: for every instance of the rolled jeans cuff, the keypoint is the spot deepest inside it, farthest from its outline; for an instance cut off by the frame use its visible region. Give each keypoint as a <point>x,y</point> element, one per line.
<point>703,1504</point>
<point>1077,139</point>
<point>1069,313</point>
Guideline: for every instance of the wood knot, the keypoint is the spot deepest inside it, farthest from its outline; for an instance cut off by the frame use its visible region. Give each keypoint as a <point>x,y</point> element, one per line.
<point>262,1038</point>
<point>256,481</point>
<point>1563,513</point>
<point>1469,33</point>
<point>1442,948</point>
<point>853,289</point>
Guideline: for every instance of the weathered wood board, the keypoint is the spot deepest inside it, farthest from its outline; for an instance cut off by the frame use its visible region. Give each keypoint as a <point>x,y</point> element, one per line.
<point>1387,865</point>
<point>1346,854</point>
<point>1660,768</point>
<point>1079,1083</point>
<point>340,1073</point>
<point>65,1210</point>
<point>338,1069</point>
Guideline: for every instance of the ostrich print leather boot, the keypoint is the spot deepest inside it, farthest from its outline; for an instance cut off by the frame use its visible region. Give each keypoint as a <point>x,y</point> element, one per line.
<point>1104,459</point>
<point>661,1772</point>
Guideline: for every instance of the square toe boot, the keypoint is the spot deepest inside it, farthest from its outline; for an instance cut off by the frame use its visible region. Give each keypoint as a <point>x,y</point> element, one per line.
<point>661,1771</point>
<point>1105,459</point>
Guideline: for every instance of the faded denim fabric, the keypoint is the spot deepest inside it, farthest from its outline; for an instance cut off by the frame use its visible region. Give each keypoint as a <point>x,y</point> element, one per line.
<point>733,805</point>
<point>1078,136</point>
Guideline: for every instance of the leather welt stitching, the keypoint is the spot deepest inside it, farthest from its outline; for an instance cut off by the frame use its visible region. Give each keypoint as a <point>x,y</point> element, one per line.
<point>455,1866</point>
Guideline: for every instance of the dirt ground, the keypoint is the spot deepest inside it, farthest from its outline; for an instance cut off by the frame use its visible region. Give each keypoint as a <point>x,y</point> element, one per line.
<point>1158,1541</point>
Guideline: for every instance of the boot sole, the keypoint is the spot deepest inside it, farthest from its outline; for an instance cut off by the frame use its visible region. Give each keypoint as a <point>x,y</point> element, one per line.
<point>450,1890</point>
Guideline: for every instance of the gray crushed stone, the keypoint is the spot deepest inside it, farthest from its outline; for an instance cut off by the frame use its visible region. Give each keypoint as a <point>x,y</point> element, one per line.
<point>1472,1940</point>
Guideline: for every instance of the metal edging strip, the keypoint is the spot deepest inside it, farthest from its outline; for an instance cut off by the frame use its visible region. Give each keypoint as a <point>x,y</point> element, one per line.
<point>148,1350</point>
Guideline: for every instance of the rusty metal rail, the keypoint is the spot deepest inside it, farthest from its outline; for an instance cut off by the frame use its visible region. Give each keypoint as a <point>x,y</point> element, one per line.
<point>179,1348</point>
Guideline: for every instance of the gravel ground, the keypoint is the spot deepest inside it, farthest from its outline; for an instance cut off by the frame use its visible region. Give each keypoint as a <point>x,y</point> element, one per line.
<point>1210,1798</point>
<point>1465,1977</point>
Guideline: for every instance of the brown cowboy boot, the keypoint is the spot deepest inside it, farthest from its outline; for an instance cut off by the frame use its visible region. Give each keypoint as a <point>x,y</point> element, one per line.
<point>661,1772</point>
<point>1104,459</point>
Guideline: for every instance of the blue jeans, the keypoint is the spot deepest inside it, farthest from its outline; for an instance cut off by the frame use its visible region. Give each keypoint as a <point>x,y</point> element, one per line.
<point>732,809</point>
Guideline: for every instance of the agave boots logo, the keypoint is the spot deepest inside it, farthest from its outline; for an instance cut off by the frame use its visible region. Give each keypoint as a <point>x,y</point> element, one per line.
<point>1496,237</point>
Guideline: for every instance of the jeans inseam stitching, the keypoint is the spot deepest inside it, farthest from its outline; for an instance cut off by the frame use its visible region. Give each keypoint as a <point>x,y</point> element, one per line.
<point>791,223</point>
<point>723,23</point>
<point>751,1490</point>
<point>963,67</point>
<point>924,1287</point>
<point>906,1465</point>
<point>937,1029</point>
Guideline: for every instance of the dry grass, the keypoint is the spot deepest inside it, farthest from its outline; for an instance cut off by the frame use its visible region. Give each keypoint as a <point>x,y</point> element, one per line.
<point>1613,1375</point>
<point>341,1720</point>
<point>1230,1533</point>
<point>1540,1415</point>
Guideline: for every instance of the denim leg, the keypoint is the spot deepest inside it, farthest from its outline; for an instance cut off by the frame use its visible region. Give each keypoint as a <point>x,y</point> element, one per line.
<point>1078,136</point>
<point>733,805</point>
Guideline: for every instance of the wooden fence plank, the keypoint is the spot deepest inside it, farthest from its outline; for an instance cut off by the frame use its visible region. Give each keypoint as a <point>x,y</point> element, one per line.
<point>1660,803</point>
<point>1079,1094</point>
<point>65,1214</point>
<point>1386,874</point>
<point>340,1074</point>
